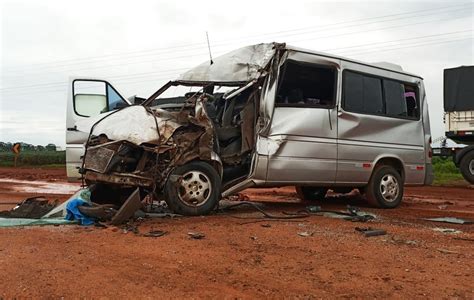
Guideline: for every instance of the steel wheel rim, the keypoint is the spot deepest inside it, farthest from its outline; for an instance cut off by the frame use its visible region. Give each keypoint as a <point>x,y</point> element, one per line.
<point>195,188</point>
<point>471,167</point>
<point>389,188</point>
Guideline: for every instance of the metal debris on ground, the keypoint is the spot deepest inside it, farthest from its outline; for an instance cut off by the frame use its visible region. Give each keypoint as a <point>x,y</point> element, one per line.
<point>196,235</point>
<point>353,213</point>
<point>305,234</point>
<point>128,209</point>
<point>155,233</point>
<point>447,230</point>
<point>30,208</point>
<point>258,207</point>
<point>451,220</point>
<point>368,231</point>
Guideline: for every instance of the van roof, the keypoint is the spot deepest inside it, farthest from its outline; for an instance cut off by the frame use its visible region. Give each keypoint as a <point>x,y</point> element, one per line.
<point>246,64</point>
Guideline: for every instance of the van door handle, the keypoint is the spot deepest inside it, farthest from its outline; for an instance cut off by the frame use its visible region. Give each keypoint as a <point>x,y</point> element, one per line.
<point>72,129</point>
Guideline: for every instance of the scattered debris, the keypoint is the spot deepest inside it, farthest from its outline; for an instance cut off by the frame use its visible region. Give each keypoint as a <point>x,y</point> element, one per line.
<point>253,238</point>
<point>31,208</point>
<point>155,233</point>
<point>447,230</point>
<point>129,227</point>
<point>259,208</point>
<point>368,231</point>
<point>445,251</point>
<point>464,239</point>
<point>353,213</point>
<point>266,225</point>
<point>305,234</point>
<point>443,207</point>
<point>451,220</point>
<point>196,235</point>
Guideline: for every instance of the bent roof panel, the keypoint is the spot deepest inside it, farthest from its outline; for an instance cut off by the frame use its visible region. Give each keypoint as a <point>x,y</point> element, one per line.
<point>238,66</point>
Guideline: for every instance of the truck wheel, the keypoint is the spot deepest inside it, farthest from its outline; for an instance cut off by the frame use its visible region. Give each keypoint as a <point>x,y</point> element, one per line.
<point>193,189</point>
<point>309,193</point>
<point>385,188</point>
<point>467,167</point>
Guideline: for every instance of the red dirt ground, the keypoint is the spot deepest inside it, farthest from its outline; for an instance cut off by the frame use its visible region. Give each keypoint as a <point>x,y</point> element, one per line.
<point>245,258</point>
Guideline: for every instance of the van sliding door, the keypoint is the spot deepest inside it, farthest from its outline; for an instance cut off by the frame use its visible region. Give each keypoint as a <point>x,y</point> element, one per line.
<point>305,121</point>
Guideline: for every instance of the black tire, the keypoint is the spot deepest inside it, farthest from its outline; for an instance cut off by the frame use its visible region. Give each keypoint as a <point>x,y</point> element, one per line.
<point>310,193</point>
<point>193,189</point>
<point>385,188</point>
<point>466,166</point>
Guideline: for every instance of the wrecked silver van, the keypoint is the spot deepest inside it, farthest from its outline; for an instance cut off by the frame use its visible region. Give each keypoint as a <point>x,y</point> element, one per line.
<point>263,115</point>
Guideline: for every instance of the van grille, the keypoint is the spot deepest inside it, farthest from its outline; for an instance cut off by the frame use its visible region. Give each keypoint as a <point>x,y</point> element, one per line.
<point>98,158</point>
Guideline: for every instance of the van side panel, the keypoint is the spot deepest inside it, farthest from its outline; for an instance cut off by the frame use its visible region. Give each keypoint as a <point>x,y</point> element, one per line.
<point>363,139</point>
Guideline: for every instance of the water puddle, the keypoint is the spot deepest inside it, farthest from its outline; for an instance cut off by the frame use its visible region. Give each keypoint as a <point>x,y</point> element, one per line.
<point>41,187</point>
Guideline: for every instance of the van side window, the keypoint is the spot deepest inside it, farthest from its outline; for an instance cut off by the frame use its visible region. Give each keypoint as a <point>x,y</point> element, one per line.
<point>363,94</point>
<point>306,85</point>
<point>379,96</point>
<point>395,98</point>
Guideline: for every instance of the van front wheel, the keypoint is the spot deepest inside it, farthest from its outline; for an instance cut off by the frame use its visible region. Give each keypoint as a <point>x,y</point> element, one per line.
<point>193,189</point>
<point>385,188</point>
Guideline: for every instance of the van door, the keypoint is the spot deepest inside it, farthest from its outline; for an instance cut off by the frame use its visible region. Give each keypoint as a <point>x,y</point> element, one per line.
<point>304,121</point>
<point>86,98</point>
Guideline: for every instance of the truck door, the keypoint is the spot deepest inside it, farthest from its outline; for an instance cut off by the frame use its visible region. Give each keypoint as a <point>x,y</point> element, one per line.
<point>86,98</point>
<point>304,121</point>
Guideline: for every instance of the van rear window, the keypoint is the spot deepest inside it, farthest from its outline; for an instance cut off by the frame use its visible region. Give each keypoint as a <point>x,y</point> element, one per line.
<point>379,96</point>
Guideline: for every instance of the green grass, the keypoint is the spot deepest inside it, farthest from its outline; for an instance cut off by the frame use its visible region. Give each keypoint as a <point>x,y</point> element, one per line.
<point>34,159</point>
<point>446,172</point>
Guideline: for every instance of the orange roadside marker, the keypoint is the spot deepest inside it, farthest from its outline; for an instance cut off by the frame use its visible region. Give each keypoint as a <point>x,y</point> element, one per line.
<point>16,149</point>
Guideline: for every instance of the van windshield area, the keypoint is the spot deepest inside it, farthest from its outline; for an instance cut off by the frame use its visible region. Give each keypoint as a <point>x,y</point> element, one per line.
<point>233,111</point>
<point>306,85</point>
<point>176,95</point>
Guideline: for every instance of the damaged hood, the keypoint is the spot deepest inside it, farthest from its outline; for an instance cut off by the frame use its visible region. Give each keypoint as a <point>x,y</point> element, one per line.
<point>134,124</point>
<point>239,66</point>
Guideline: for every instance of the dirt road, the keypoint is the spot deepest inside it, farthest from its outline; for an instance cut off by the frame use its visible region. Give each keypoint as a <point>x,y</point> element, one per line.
<point>243,258</point>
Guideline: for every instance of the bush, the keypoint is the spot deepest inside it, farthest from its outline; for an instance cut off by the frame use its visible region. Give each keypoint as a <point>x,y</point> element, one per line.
<point>445,171</point>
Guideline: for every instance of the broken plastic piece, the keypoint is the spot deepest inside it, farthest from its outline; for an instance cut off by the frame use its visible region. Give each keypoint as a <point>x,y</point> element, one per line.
<point>451,220</point>
<point>196,235</point>
<point>368,232</point>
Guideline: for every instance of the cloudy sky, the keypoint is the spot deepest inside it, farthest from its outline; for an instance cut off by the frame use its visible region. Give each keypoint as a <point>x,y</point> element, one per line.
<point>139,45</point>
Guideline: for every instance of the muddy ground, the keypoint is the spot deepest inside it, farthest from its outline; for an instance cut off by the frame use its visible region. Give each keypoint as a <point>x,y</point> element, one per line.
<point>242,257</point>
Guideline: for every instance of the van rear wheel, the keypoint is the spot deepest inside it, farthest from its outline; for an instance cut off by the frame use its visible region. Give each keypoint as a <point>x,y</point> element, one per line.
<point>385,188</point>
<point>310,193</point>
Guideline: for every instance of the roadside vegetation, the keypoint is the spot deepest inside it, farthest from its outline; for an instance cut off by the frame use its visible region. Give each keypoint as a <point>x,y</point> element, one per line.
<point>446,172</point>
<point>34,159</point>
